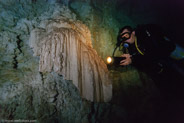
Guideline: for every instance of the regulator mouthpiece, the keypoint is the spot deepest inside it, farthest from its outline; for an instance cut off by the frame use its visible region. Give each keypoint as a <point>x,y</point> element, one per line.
<point>125,45</point>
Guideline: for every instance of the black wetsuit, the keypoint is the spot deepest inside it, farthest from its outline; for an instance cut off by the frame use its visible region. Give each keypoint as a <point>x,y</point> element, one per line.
<point>165,71</point>
<point>156,61</point>
<point>155,46</point>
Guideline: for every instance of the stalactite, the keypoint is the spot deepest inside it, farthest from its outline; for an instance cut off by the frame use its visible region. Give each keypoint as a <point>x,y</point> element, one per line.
<point>66,49</point>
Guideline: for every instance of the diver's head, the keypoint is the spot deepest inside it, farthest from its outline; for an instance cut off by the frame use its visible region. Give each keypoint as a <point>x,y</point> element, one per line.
<point>126,35</point>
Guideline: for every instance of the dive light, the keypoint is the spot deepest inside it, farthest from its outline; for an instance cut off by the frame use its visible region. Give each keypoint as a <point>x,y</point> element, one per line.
<point>115,61</point>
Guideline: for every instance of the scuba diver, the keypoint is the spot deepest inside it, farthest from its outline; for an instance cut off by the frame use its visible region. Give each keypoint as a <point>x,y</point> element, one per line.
<point>148,47</point>
<point>149,51</point>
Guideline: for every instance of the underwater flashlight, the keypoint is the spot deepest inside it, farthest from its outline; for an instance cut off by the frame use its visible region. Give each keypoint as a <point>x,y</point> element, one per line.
<point>114,60</point>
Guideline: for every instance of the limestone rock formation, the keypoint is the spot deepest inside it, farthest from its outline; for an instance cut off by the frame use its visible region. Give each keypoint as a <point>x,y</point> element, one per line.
<point>42,98</point>
<point>64,46</point>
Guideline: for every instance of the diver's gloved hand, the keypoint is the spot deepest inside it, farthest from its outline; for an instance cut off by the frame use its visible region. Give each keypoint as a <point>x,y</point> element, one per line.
<point>127,60</point>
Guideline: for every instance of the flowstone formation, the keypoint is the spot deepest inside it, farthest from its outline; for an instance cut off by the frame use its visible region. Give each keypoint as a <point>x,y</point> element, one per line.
<point>65,47</point>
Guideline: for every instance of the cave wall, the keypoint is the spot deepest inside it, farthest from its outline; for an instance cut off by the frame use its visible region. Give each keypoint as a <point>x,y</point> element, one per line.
<point>28,92</point>
<point>167,13</point>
